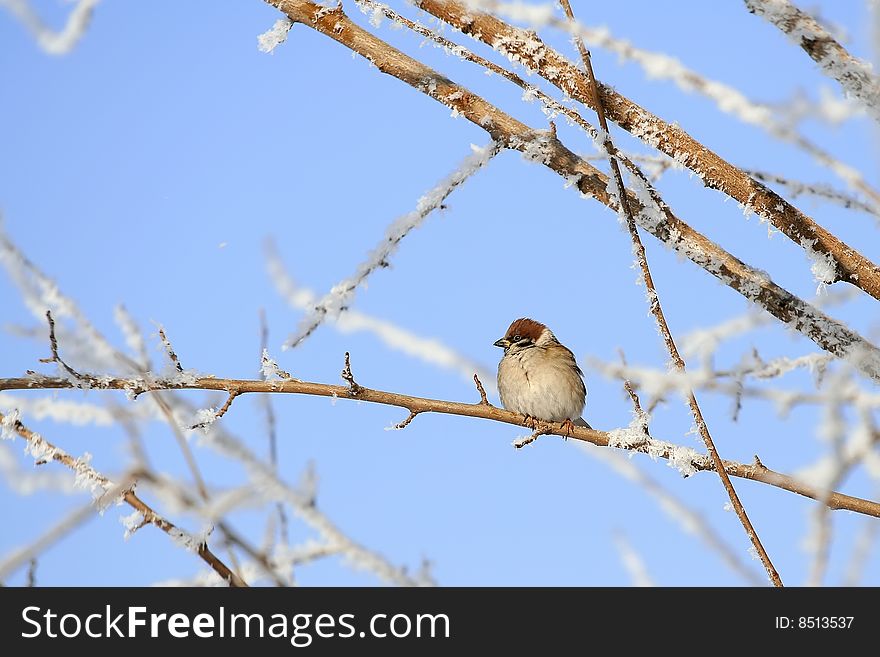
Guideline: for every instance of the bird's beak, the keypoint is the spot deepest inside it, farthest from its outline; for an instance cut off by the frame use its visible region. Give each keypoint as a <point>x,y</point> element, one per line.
<point>504,343</point>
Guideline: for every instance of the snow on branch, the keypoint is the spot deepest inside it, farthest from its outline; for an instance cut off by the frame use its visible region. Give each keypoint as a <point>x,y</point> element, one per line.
<point>265,478</point>
<point>341,295</point>
<point>662,223</point>
<point>105,492</point>
<point>274,36</point>
<point>853,74</point>
<point>65,39</point>
<point>658,65</point>
<point>528,49</point>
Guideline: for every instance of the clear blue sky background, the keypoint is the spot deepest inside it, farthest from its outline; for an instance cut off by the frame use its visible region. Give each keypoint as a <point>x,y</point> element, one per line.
<point>150,164</point>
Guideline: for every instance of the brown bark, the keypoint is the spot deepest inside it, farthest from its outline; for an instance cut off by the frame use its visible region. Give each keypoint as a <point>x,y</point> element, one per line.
<point>829,334</point>
<point>416,405</point>
<point>713,170</point>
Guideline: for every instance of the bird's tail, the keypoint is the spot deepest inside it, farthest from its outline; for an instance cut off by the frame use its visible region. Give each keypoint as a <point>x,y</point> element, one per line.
<point>581,422</point>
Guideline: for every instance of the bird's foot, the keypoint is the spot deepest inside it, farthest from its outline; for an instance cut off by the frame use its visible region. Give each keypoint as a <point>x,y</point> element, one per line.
<point>531,422</point>
<point>567,427</point>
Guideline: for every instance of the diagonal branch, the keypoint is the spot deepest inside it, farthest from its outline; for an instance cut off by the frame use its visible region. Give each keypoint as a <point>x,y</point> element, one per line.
<point>657,311</point>
<point>43,451</point>
<point>852,73</point>
<point>715,172</point>
<point>755,285</point>
<point>662,66</point>
<point>339,298</point>
<point>685,458</point>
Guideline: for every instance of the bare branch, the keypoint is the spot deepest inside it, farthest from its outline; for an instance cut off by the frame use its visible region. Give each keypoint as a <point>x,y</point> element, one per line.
<point>53,344</point>
<point>481,390</point>
<point>656,448</point>
<point>353,387</point>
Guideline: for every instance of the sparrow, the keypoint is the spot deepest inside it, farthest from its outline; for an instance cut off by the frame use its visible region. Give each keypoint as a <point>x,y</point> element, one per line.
<point>539,377</point>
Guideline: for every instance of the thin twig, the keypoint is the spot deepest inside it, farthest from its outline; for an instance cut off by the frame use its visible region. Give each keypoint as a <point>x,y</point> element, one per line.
<point>53,345</point>
<point>657,311</point>
<point>353,387</point>
<point>220,413</point>
<point>170,350</point>
<point>481,390</point>
<point>410,418</point>
<point>541,429</point>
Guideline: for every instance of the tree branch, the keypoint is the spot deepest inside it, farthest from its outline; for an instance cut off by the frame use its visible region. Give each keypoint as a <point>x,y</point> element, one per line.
<point>43,450</point>
<point>688,459</point>
<point>715,172</point>
<point>657,310</point>
<point>754,285</point>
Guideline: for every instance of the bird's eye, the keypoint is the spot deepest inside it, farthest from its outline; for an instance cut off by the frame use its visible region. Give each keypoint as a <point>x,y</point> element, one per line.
<point>517,338</point>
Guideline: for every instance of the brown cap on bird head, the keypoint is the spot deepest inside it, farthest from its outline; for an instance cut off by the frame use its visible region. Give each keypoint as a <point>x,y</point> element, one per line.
<point>521,329</point>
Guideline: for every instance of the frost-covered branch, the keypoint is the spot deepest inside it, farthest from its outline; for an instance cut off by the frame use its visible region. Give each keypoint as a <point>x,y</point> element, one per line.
<point>100,486</point>
<point>93,348</point>
<point>819,190</point>
<point>342,294</point>
<point>659,65</point>
<point>854,75</point>
<point>684,458</point>
<point>546,149</point>
<point>62,41</point>
<point>656,309</point>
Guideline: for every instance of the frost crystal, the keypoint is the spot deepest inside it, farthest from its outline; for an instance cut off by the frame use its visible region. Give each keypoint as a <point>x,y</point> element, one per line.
<point>269,368</point>
<point>183,539</point>
<point>274,36</point>
<point>185,378</point>
<point>7,426</point>
<point>205,417</point>
<point>824,265</point>
<point>131,523</point>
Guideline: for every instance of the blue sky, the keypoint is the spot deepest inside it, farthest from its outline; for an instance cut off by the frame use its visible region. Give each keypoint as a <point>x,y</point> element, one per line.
<point>151,164</point>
